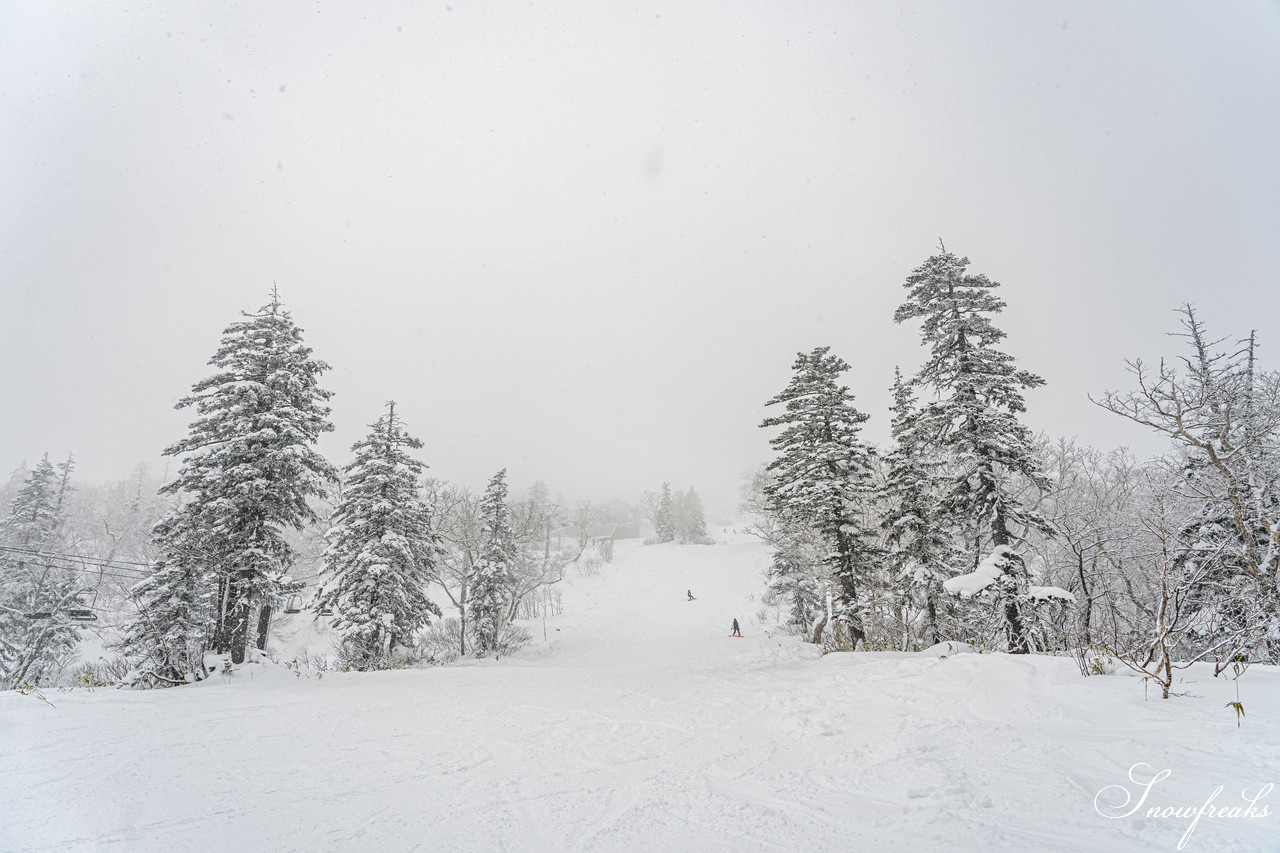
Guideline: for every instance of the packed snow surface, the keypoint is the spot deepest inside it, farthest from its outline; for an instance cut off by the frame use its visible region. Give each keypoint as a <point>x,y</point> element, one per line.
<point>639,724</point>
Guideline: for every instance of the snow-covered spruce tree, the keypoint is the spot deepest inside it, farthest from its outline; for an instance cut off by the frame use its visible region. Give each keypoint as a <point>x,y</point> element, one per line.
<point>797,579</point>
<point>382,549</point>
<point>491,579</point>
<point>248,470</point>
<point>33,515</point>
<point>665,519</point>
<point>972,417</point>
<point>921,550</point>
<point>822,476</point>
<point>167,640</point>
<point>32,649</point>
<point>691,521</point>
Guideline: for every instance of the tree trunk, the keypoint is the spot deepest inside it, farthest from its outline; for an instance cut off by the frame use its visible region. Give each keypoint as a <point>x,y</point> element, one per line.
<point>238,633</point>
<point>1015,628</point>
<point>221,627</point>
<point>818,628</point>
<point>1086,612</point>
<point>264,627</point>
<point>931,618</point>
<point>999,529</point>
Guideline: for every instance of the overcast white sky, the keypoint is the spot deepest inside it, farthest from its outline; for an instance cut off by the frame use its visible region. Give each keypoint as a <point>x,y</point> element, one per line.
<point>585,240</point>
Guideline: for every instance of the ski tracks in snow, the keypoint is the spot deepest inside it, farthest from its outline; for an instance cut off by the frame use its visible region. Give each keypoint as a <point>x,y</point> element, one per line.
<point>637,726</point>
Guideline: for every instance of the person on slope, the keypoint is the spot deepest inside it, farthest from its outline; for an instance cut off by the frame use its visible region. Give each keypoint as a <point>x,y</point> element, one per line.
<point>736,631</point>
<point>689,592</point>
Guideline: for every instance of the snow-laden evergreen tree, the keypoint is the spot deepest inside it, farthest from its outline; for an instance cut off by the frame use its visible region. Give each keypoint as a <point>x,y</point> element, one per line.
<point>972,414</point>
<point>539,494</point>
<point>921,553</point>
<point>167,640</point>
<point>249,468</point>
<point>383,551</point>
<point>690,519</point>
<point>492,577</point>
<point>822,476</point>
<point>797,579</point>
<point>33,646</point>
<point>33,515</point>
<point>665,519</point>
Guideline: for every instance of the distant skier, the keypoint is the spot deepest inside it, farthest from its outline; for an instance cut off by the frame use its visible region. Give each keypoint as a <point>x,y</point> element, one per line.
<point>737,632</point>
<point>689,592</point>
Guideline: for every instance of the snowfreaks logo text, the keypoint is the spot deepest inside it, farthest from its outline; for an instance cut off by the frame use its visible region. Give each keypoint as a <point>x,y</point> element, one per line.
<point>1117,801</point>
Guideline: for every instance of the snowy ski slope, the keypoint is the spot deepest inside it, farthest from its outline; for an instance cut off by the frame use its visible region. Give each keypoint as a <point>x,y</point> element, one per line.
<point>640,725</point>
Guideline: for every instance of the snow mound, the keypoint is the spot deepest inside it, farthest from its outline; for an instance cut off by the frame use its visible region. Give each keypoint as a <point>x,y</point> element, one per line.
<point>947,648</point>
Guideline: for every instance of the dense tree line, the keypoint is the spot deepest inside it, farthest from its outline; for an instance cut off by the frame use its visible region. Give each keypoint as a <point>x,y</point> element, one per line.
<point>969,527</point>
<point>966,527</point>
<point>199,566</point>
<point>675,516</point>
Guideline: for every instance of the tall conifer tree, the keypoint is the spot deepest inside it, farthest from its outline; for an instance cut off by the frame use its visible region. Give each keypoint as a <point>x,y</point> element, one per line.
<point>383,550</point>
<point>664,521</point>
<point>248,470</point>
<point>972,414</point>
<point>691,520</point>
<point>822,475</point>
<point>921,551</point>
<point>492,579</point>
<point>31,648</point>
<point>34,513</point>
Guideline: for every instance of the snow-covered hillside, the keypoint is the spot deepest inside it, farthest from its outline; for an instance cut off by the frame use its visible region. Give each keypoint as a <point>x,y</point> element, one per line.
<point>638,724</point>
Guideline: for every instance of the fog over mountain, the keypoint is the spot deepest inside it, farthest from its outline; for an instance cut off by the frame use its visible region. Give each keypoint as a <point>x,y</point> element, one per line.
<point>585,241</point>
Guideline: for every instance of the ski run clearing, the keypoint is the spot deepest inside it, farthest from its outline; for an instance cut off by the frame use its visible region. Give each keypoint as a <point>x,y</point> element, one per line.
<point>638,724</point>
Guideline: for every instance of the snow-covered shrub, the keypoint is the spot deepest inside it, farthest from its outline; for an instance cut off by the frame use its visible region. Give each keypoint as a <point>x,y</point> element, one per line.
<point>441,641</point>
<point>768,614</point>
<point>104,672</point>
<point>305,663</point>
<point>540,602</point>
<point>1100,663</point>
<point>511,638</point>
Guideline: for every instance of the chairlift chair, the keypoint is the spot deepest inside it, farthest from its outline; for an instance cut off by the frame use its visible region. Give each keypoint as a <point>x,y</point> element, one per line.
<point>81,614</point>
<point>294,605</point>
